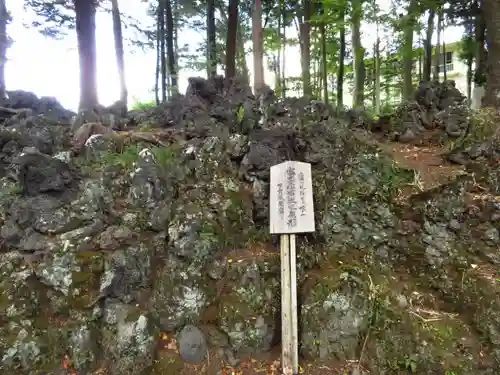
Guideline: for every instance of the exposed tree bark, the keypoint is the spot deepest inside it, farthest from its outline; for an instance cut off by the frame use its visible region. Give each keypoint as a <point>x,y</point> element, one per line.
<point>470,75</point>
<point>324,61</point>
<point>241,56</point>
<point>258,46</point>
<point>163,62</point>
<point>305,44</point>
<point>232,30</point>
<point>169,21</point>
<point>445,73</point>
<point>480,35</point>
<point>158,63</point>
<point>428,45</point>
<point>175,10</point>
<point>377,71</point>
<point>420,72</point>
<point>85,11</point>
<point>359,52</point>
<point>4,44</point>
<point>409,28</point>
<point>492,17</point>
<point>437,50</point>
<point>283,43</point>
<point>120,59</point>
<point>340,70</point>
<point>211,39</point>
<point>277,60</point>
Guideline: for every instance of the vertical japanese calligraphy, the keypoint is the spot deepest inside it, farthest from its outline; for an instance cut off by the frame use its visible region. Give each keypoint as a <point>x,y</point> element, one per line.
<point>291,199</point>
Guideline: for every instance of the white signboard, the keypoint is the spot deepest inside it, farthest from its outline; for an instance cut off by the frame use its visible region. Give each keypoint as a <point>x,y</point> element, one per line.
<point>291,198</point>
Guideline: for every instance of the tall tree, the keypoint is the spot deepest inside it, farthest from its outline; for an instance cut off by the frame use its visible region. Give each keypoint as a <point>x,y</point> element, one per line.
<point>492,17</point>
<point>428,44</point>
<point>258,46</point>
<point>437,50</point>
<point>324,54</point>
<point>408,31</point>
<point>232,31</point>
<point>359,53</point>
<point>172,63</point>
<point>120,59</point>
<point>211,39</point>
<point>376,56</point>
<point>342,53</point>
<point>4,44</point>
<point>305,44</point>
<point>162,5</point>
<point>480,35</point>
<point>85,11</point>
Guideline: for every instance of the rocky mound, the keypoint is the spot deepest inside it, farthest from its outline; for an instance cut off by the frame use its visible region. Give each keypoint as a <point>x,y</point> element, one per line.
<point>151,245</point>
<point>436,106</point>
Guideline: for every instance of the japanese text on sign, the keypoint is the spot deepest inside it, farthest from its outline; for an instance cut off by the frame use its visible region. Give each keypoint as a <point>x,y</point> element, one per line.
<point>291,198</point>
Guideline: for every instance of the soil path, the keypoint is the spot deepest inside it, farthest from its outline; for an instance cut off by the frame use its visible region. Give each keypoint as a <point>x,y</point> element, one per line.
<point>426,160</point>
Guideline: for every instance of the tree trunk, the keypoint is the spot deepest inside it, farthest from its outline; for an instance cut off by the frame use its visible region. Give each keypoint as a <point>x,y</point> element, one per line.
<point>163,60</point>
<point>258,48</point>
<point>340,70</point>
<point>241,56</point>
<point>169,21</point>
<point>175,10</point>
<point>85,11</point>
<point>358,51</point>
<point>211,40</point>
<point>409,26</point>
<point>420,73</point>
<point>232,29</point>
<point>480,35</point>
<point>428,45</point>
<point>4,44</point>
<point>437,52</point>
<point>283,43</point>
<point>305,44</point>
<point>277,60</point>
<point>324,61</point>
<point>120,59</point>
<point>445,74</point>
<point>158,62</point>
<point>492,18</point>
<point>470,75</point>
<point>377,73</point>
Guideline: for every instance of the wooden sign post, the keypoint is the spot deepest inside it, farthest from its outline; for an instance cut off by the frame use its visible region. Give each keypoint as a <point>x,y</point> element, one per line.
<point>291,212</point>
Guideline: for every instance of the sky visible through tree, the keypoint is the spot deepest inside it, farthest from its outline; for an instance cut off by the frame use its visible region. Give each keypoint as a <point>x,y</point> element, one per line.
<point>50,67</point>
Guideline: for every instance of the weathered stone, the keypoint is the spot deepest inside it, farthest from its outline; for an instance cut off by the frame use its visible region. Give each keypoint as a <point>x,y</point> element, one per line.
<point>192,344</point>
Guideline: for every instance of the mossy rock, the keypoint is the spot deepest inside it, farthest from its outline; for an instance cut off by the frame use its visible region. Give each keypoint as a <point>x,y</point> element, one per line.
<point>249,307</point>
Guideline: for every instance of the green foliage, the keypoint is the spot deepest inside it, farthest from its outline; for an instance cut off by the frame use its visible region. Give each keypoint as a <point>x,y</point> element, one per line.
<point>124,159</point>
<point>54,17</point>
<point>483,126</point>
<point>467,48</point>
<point>393,179</point>
<point>240,115</point>
<point>143,105</point>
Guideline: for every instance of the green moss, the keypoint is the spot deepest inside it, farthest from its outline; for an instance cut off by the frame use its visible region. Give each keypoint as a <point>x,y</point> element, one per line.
<point>133,314</point>
<point>167,362</point>
<point>86,280</point>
